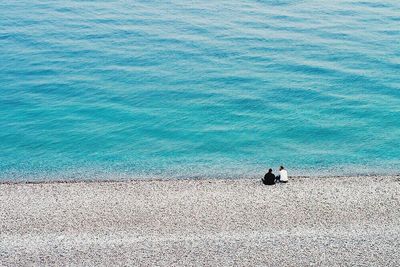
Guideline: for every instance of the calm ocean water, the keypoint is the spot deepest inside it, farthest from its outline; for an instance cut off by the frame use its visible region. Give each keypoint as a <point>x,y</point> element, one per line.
<point>170,89</point>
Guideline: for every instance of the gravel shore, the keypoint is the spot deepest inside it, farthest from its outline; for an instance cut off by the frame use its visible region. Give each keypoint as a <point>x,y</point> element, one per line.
<point>336,221</point>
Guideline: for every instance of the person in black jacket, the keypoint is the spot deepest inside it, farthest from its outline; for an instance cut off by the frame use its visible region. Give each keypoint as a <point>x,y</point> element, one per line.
<point>269,178</point>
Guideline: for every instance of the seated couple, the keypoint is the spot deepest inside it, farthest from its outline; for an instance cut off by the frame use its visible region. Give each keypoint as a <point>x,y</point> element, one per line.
<point>270,179</point>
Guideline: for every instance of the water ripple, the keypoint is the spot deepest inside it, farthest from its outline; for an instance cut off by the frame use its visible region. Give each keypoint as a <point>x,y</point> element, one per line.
<point>147,89</point>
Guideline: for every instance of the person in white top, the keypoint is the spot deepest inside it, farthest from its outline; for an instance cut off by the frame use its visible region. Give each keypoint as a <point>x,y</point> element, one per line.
<point>283,176</point>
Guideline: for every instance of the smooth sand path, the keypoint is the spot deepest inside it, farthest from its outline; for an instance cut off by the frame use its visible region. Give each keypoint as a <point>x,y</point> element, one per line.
<point>310,221</point>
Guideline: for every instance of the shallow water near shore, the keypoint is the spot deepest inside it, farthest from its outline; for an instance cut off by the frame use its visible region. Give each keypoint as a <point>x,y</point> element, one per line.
<point>155,89</point>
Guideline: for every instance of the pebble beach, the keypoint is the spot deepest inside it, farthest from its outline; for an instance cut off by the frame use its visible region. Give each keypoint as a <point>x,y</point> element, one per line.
<point>327,221</point>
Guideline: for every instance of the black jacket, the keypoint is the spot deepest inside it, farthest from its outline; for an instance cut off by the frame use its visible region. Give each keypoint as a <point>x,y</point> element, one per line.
<point>269,178</point>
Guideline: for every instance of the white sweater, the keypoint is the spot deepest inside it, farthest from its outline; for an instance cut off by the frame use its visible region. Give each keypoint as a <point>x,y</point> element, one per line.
<point>283,174</point>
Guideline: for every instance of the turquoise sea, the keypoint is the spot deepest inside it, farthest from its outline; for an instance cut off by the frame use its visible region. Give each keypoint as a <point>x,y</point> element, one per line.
<point>188,89</point>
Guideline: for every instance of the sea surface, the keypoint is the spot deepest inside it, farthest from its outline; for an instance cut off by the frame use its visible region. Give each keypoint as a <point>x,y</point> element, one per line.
<point>190,89</point>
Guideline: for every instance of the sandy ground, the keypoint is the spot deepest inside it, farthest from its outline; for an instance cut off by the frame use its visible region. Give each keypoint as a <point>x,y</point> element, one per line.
<point>351,221</point>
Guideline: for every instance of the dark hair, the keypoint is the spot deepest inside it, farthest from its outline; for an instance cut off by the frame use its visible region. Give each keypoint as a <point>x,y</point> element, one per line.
<point>282,167</point>
<point>270,170</point>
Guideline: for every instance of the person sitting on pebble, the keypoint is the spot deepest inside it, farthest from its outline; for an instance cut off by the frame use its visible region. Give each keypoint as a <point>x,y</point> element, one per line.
<point>269,178</point>
<point>283,176</point>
